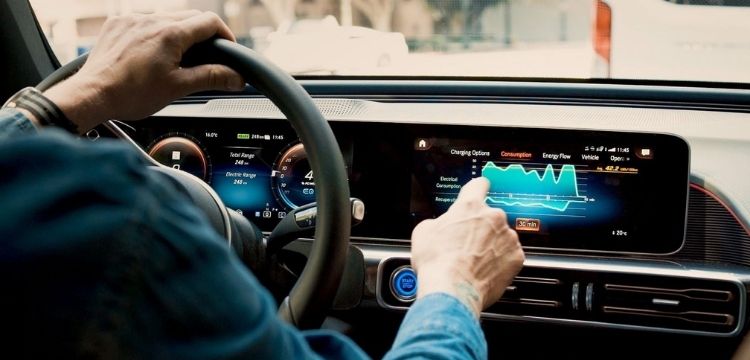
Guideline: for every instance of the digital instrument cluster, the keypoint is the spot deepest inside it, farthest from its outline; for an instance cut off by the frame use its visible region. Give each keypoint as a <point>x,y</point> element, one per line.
<point>563,190</point>
<point>262,173</point>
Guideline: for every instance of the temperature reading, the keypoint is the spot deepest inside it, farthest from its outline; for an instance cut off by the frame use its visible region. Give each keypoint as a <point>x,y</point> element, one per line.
<point>619,233</point>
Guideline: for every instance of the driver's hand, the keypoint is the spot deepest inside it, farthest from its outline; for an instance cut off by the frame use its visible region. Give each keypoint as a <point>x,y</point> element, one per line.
<point>133,70</point>
<point>469,252</point>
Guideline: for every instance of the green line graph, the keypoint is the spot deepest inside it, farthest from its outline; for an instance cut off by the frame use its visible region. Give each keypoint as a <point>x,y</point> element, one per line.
<point>514,185</point>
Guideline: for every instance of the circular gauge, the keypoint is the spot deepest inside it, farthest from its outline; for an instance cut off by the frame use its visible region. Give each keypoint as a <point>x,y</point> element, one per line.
<point>292,178</point>
<point>182,152</point>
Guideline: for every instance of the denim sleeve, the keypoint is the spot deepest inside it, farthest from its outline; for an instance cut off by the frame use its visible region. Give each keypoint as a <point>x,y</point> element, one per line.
<point>439,326</point>
<point>102,258</point>
<point>12,122</point>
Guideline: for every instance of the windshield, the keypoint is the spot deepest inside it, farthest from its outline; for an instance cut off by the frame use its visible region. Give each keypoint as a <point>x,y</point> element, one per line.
<point>690,40</point>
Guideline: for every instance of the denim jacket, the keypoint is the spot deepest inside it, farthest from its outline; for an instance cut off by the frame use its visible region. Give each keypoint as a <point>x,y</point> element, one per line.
<point>102,258</point>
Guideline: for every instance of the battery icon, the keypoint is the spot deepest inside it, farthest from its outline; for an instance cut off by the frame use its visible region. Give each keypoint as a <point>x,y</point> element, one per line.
<point>243,136</point>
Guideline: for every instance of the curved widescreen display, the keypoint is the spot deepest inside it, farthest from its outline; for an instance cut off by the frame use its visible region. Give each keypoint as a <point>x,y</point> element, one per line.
<point>564,189</point>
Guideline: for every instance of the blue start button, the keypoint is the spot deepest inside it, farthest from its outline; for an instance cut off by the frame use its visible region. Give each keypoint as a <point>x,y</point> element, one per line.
<point>404,283</point>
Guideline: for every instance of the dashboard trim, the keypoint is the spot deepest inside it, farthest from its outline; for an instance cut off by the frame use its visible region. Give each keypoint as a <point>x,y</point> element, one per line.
<point>695,96</point>
<point>580,264</point>
<point>712,191</point>
<point>692,123</point>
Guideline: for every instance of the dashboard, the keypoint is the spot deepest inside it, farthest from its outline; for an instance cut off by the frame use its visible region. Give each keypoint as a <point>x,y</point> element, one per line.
<point>575,190</point>
<point>634,217</point>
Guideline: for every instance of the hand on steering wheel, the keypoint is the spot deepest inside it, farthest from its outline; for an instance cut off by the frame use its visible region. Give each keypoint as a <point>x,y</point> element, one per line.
<point>134,69</point>
<point>148,52</point>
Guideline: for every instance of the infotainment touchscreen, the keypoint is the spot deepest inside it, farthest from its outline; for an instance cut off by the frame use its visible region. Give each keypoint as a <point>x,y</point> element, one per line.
<point>564,189</point>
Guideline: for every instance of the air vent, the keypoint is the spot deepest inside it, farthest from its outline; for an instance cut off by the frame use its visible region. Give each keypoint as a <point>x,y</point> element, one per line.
<point>674,303</point>
<point>602,297</point>
<point>624,300</point>
<point>539,295</point>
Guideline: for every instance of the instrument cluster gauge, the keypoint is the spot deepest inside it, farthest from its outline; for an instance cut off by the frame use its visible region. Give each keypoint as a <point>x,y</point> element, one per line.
<point>182,152</point>
<point>292,179</point>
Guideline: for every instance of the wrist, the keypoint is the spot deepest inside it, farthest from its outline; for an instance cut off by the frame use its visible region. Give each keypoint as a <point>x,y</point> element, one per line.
<point>440,279</point>
<point>39,109</point>
<point>80,99</point>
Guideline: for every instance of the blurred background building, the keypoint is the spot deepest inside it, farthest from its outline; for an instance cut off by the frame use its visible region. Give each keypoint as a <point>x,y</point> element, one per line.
<point>427,25</point>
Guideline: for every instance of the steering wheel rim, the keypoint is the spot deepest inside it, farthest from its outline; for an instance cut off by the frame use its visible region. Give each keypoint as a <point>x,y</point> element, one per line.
<point>314,292</point>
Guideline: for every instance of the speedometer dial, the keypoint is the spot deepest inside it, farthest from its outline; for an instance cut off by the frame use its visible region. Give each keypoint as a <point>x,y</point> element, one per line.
<point>292,178</point>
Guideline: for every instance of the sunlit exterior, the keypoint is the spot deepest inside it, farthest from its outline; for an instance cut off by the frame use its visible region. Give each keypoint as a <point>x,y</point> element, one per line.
<point>578,39</point>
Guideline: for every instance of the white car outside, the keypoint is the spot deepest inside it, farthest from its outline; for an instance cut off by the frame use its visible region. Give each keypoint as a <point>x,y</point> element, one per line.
<point>324,47</point>
<point>676,40</point>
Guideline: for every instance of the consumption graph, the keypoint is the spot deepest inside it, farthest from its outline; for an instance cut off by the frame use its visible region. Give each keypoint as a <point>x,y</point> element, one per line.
<point>535,187</point>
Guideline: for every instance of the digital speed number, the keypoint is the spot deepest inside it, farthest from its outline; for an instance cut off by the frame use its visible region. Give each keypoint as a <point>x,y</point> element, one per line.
<point>293,180</point>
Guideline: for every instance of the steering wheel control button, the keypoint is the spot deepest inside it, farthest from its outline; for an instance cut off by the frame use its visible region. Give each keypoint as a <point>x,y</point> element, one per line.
<point>358,210</point>
<point>306,218</point>
<point>404,284</point>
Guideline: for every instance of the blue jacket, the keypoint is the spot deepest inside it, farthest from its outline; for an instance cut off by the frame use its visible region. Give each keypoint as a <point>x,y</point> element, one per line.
<point>102,258</point>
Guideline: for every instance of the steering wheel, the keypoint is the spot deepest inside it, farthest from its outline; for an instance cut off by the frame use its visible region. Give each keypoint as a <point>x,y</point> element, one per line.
<point>314,291</point>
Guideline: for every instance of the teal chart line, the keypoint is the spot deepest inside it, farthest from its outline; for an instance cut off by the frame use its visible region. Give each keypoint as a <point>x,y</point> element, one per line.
<point>513,185</point>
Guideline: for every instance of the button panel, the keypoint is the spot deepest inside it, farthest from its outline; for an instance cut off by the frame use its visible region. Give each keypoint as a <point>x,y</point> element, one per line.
<point>683,304</point>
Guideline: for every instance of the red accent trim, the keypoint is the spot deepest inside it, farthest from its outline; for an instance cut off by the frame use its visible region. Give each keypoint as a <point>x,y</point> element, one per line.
<point>724,204</point>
